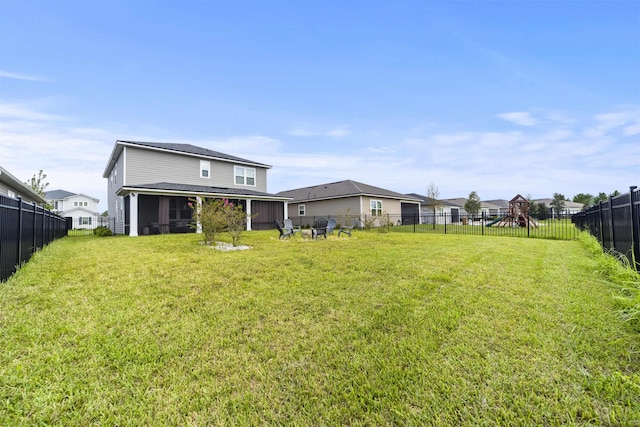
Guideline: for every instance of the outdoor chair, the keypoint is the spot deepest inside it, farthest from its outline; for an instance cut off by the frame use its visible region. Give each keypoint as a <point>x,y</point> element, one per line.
<point>319,228</point>
<point>331,225</point>
<point>288,226</point>
<point>347,229</point>
<point>283,232</point>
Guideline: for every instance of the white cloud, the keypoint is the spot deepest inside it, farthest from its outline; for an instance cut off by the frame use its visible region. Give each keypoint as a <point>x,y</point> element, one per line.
<point>331,133</point>
<point>20,76</point>
<point>24,112</point>
<point>521,118</point>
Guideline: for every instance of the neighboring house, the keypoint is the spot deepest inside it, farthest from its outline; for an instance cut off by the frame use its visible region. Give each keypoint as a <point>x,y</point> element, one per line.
<point>150,186</point>
<point>345,200</point>
<point>497,207</point>
<point>13,187</point>
<point>570,208</point>
<point>445,211</point>
<point>81,208</point>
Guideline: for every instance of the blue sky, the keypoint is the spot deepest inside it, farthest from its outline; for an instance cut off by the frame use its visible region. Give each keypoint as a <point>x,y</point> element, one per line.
<point>494,97</point>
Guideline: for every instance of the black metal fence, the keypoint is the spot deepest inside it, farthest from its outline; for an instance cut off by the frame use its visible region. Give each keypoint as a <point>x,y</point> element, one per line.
<point>25,228</point>
<point>616,224</point>
<point>85,225</point>
<point>560,228</point>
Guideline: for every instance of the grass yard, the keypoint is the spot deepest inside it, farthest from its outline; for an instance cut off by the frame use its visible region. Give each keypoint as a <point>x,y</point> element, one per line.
<point>376,329</point>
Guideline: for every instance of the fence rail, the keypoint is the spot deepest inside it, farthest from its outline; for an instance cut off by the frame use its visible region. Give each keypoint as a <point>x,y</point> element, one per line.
<point>616,224</point>
<point>25,228</point>
<point>560,228</point>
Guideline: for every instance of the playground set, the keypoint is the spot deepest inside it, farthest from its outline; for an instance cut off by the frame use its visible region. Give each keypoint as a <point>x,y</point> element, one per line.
<point>518,215</point>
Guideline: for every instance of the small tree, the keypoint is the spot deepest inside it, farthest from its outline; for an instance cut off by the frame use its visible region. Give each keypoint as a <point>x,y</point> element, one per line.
<point>38,184</point>
<point>433,201</point>
<point>216,216</point>
<point>235,219</point>
<point>558,203</point>
<point>473,204</point>
<point>209,215</point>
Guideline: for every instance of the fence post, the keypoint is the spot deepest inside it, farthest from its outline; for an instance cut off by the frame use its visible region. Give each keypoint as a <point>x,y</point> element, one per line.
<point>445,222</point>
<point>612,224</point>
<point>601,224</point>
<point>482,222</point>
<point>19,242</point>
<point>635,230</point>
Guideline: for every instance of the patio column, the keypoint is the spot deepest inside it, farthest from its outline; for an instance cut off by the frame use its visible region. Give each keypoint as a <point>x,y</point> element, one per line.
<point>286,210</point>
<point>248,214</point>
<point>199,209</point>
<point>133,214</point>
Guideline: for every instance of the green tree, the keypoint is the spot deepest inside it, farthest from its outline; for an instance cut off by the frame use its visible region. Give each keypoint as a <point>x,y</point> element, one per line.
<point>473,204</point>
<point>602,197</point>
<point>585,198</point>
<point>38,184</point>
<point>558,203</point>
<point>540,210</point>
<point>615,193</point>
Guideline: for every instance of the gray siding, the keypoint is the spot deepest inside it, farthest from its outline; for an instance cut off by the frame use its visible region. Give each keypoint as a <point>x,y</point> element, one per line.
<point>116,217</point>
<point>149,167</point>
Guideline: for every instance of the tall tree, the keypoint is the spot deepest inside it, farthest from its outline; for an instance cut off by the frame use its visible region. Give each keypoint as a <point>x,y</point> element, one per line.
<point>558,203</point>
<point>473,204</point>
<point>585,199</point>
<point>601,197</point>
<point>433,200</point>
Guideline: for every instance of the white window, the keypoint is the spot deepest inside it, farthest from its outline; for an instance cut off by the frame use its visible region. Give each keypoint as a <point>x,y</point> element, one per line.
<point>75,203</point>
<point>11,194</point>
<point>245,176</point>
<point>376,207</point>
<point>301,210</point>
<point>205,169</point>
<point>85,220</point>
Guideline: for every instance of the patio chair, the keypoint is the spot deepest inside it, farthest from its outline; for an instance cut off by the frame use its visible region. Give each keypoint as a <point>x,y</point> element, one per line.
<point>288,226</point>
<point>283,232</point>
<point>319,228</point>
<point>331,225</point>
<point>347,229</point>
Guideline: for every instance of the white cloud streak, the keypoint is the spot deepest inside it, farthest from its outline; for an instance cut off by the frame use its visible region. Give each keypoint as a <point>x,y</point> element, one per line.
<point>20,76</point>
<point>497,163</point>
<point>521,118</point>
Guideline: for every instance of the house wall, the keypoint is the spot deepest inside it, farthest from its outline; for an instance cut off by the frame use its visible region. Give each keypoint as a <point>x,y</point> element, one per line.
<point>149,167</point>
<point>114,202</point>
<point>327,208</point>
<point>5,189</point>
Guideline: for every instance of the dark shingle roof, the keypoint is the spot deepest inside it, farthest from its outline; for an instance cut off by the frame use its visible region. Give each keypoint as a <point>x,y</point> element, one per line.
<point>202,189</point>
<point>192,149</point>
<point>429,201</point>
<point>340,189</point>
<point>58,194</point>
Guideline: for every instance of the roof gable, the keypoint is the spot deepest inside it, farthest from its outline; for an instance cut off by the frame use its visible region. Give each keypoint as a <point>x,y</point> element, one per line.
<point>186,149</point>
<point>341,189</point>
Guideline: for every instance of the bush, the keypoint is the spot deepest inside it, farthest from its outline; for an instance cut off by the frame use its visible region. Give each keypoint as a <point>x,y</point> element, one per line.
<point>102,231</point>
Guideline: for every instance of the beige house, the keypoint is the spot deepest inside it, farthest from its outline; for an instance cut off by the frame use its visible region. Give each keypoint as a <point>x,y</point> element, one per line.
<point>347,200</point>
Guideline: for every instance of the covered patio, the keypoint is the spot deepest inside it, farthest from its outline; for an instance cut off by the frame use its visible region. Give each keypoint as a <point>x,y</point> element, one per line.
<point>164,208</point>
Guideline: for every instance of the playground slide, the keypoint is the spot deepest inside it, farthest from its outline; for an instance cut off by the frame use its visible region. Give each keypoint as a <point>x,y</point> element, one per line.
<point>489,224</point>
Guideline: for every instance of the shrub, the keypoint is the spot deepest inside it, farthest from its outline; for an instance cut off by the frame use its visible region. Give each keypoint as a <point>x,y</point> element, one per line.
<point>102,231</point>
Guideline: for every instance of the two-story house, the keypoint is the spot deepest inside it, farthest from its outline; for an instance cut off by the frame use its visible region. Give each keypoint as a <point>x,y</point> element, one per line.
<point>150,186</point>
<point>81,208</point>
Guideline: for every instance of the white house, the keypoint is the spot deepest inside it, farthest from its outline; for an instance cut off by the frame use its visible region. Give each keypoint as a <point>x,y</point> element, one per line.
<point>82,208</point>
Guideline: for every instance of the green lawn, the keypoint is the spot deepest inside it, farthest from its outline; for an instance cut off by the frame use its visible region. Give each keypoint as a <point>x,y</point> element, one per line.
<point>376,329</point>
